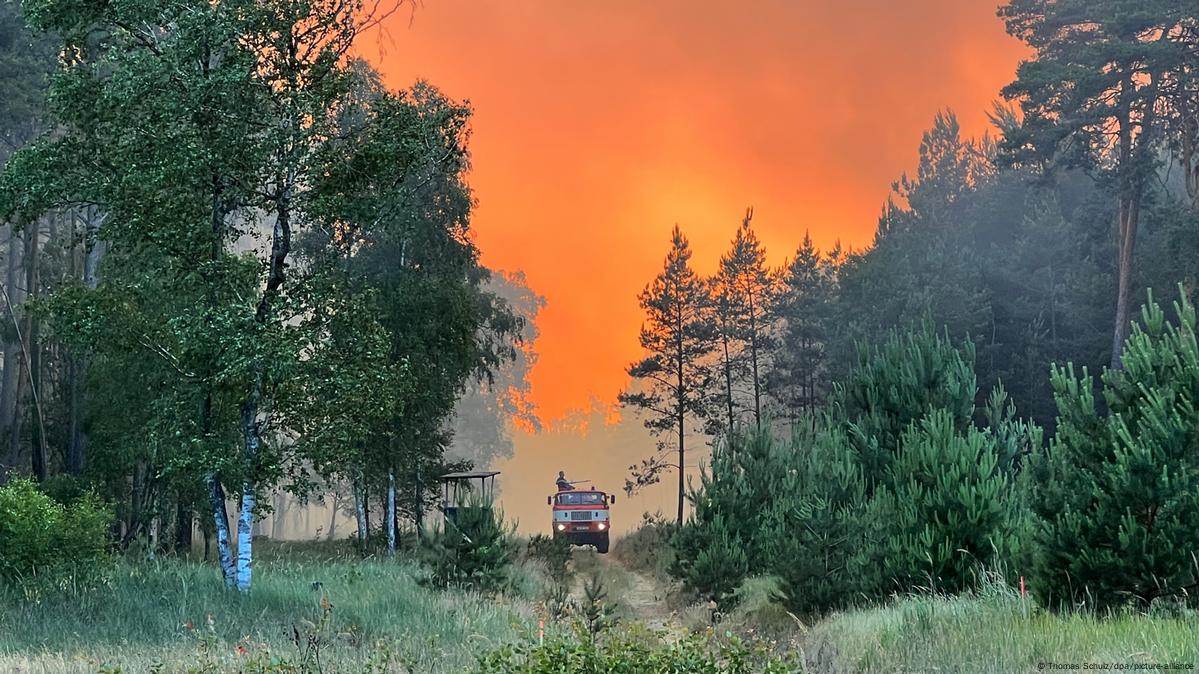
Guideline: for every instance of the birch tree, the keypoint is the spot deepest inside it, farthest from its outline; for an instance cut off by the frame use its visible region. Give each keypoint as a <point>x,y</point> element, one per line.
<point>207,125</point>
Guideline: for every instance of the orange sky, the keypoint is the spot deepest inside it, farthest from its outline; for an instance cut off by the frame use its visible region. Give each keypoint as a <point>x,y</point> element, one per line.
<point>598,125</point>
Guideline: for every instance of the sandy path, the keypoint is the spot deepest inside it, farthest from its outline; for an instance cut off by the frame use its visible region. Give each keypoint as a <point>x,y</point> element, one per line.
<point>638,596</point>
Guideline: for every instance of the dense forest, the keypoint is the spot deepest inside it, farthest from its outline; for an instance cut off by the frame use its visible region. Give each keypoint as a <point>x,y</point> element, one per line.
<point>979,390</point>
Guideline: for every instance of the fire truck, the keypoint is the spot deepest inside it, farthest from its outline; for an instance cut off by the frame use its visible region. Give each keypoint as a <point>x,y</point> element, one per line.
<point>581,516</point>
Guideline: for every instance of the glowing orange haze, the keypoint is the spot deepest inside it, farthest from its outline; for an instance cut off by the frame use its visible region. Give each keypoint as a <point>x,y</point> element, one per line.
<point>599,125</point>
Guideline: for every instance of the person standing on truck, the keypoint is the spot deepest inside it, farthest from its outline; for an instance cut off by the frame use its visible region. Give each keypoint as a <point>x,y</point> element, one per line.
<point>562,483</point>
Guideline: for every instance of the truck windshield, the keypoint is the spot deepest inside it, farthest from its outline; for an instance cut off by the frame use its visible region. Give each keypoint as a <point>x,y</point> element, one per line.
<point>580,498</point>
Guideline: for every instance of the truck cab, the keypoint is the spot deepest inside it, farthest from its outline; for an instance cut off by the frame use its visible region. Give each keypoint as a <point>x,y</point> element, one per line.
<point>581,516</point>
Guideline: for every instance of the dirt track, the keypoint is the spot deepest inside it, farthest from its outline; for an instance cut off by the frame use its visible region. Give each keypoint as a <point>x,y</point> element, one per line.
<point>637,596</point>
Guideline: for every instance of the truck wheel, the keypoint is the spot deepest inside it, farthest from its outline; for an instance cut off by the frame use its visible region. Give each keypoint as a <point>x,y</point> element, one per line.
<point>601,546</point>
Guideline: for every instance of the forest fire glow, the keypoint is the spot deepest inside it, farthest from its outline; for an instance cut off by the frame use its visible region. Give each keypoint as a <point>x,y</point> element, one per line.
<point>406,336</point>
<point>598,127</point>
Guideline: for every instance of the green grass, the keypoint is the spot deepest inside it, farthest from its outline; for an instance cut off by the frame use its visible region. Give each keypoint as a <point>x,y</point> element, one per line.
<point>156,614</point>
<point>154,617</point>
<point>990,633</point>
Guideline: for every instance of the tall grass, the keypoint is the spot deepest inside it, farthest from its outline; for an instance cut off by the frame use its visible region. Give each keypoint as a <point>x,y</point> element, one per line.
<point>171,613</point>
<point>989,631</point>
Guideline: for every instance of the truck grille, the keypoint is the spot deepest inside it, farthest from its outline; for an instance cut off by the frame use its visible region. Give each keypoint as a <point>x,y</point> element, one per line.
<point>580,515</point>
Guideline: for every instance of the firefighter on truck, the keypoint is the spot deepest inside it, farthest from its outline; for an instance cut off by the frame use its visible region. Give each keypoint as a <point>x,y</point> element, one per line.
<point>581,515</point>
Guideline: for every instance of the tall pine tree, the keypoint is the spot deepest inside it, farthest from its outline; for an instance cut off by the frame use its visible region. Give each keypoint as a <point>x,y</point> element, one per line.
<point>677,336</point>
<point>1096,95</point>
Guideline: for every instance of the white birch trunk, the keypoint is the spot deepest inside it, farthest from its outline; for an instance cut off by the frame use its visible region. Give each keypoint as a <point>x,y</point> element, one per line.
<point>245,538</point>
<point>216,498</point>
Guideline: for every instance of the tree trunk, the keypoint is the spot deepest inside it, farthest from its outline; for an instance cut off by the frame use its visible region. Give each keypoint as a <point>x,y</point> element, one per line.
<point>331,535</point>
<point>278,517</point>
<point>418,502</point>
<point>11,377</point>
<point>681,411</point>
<point>183,529</point>
<point>753,354</point>
<point>682,463</point>
<point>360,513</point>
<point>245,519</point>
<point>728,379</point>
<point>366,512</point>
<point>1129,218</point>
<point>77,441</point>
<point>40,457</point>
<point>220,518</point>
<point>32,353</point>
<point>391,513</point>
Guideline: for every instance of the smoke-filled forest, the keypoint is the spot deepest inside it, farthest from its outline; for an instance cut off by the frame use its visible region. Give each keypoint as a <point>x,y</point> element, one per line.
<point>265,350</point>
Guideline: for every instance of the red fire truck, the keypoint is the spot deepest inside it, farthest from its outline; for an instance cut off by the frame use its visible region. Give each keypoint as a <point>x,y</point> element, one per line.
<point>581,516</point>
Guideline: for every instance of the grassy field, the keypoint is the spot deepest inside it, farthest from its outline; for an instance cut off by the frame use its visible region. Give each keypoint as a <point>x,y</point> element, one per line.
<point>992,633</point>
<point>175,616</point>
<point>323,603</point>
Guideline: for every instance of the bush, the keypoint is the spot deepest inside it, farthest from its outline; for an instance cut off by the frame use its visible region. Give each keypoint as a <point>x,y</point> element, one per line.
<point>648,549</point>
<point>1118,492</point>
<point>773,508</point>
<point>810,532</point>
<point>951,508</point>
<point>553,552</point>
<point>633,653</point>
<point>43,540</point>
<point>719,563</point>
<point>475,550</point>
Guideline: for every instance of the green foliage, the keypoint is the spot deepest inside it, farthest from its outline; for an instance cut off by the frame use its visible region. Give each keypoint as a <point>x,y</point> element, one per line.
<point>898,382</point>
<point>647,549</point>
<point>475,550</point>
<point>334,348</point>
<point>741,302</point>
<point>44,543</point>
<point>633,653</point>
<point>1118,492</point>
<point>552,551</point>
<point>774,508</point>
<point>949,513</point>
<point>597,611</point>
<point>895,488</point>
<point>812,530</point>
<point>996,252</point>
<point>798,377</point>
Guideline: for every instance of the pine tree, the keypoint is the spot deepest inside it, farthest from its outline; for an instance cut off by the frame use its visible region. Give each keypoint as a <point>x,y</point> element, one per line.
<point>1118,491</point>
<point>1097,95</point>
<point>898,383</point>
<point>745,292</point>
<point>798,376</point>
<point>677,336</point>
<point>951,510</point>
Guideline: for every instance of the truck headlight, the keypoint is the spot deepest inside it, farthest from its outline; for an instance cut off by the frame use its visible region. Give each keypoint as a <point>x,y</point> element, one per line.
<point>602,526</point>
<point>561,527</point>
